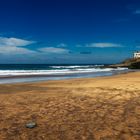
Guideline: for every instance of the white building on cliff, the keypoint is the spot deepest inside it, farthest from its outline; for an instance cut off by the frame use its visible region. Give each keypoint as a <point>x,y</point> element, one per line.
<point>137,54</point>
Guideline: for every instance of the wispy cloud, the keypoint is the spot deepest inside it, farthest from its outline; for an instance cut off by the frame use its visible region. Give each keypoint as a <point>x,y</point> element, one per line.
<point>62,45</point>
<point>53,50</point>
<point>14,46</point>
<point>136,12</point>
<point>14,42</point>
<point>8,50</point>
<point>134,8</point>
<point>103,45</point>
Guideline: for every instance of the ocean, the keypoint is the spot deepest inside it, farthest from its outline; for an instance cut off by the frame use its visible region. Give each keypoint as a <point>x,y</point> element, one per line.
<point>14,73</point>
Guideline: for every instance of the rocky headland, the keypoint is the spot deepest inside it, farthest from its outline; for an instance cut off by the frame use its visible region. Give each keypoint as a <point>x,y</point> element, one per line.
<point>132,63</point>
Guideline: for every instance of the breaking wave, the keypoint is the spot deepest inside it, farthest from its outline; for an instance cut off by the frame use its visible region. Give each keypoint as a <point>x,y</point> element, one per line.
<point>59,70</point>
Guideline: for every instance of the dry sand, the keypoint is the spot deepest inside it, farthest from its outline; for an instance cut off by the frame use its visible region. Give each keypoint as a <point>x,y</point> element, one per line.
<point>106,108</point>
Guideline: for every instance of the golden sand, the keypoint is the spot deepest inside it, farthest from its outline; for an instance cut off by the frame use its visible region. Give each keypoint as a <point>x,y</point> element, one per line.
<point>105,108</point>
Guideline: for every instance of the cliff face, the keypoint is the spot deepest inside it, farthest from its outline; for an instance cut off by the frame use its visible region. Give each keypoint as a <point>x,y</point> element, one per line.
<point>133,63</point>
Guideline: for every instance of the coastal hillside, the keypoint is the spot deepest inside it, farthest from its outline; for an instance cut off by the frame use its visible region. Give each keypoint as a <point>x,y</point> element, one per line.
<point>132,63</point>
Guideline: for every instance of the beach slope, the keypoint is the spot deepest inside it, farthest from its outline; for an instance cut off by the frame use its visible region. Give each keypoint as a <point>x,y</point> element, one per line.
<point>105,108</point>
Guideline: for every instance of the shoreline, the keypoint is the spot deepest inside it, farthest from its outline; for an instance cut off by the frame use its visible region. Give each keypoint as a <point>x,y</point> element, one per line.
<point>43,77</point>
<point>101,79</point>
<point>84,108</point>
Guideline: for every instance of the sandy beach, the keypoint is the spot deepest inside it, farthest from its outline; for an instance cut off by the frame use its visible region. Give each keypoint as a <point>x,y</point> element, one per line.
<point>104,108</point>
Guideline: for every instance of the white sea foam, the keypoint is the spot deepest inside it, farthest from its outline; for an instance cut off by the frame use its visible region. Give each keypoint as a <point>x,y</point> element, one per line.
<point>57,71</point>
<point>74,66</point>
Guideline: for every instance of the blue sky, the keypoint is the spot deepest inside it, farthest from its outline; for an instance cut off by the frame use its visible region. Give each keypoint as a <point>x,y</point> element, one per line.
<point>68,31</point>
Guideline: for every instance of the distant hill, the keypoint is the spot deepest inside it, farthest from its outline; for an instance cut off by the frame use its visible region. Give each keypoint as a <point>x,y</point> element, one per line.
<point>133,63</point>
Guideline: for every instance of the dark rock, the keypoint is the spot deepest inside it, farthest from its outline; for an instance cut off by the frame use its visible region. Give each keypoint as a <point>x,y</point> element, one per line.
<point>31,125</point>
<point>132,63</point>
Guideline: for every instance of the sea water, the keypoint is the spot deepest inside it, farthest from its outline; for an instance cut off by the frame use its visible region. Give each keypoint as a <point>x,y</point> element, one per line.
<point>13,73</point>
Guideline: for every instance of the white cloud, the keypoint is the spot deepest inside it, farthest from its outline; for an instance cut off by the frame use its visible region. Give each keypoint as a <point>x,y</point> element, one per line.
<point>8,50</point>
<point>14,42</point>
<point>12,46</point>
<point>53,50</point>
<point>137,11</point>
<point>62,45</point>
<point>103,45</point>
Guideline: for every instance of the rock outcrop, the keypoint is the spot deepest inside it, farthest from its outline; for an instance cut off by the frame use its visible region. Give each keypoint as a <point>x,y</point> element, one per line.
<point>133,63</point>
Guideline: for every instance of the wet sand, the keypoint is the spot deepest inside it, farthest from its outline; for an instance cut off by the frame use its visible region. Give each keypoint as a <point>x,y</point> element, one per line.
<point>105,108</point>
